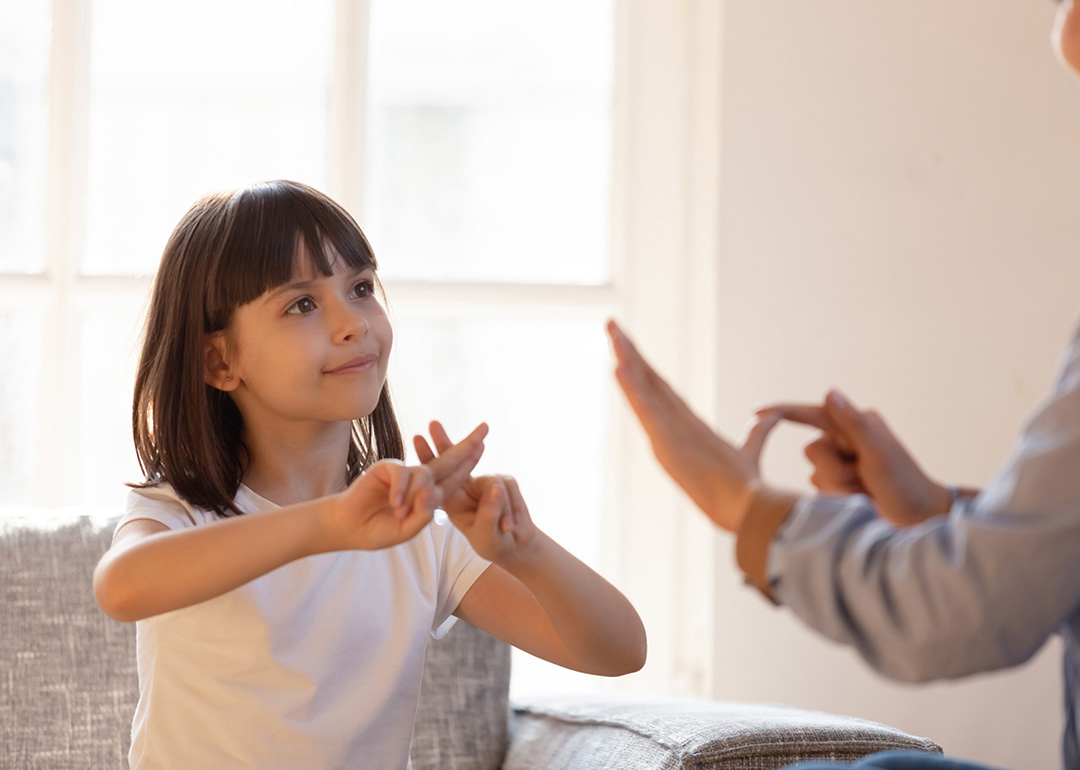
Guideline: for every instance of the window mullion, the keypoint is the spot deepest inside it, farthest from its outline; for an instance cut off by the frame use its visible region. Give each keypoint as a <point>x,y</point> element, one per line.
<point>348,104</point>
<point>666,180</point>
<point>68,98</point>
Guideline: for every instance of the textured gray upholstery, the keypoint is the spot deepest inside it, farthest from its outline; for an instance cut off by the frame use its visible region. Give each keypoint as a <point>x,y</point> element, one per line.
<point>462,720</point>
<point>68,690</point>
<point>668,733</point>
<point>70,685</point>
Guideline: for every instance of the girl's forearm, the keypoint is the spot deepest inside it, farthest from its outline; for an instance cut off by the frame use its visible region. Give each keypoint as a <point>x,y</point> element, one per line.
<point>171,570</point>
<point>598,625</point>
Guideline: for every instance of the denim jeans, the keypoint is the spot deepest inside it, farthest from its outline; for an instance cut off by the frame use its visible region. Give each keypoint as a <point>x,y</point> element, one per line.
<point>895,760</point>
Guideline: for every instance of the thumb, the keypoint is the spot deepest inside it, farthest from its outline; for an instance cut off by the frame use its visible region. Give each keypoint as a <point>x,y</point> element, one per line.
<point>758,429</point>
<point>851,431</point>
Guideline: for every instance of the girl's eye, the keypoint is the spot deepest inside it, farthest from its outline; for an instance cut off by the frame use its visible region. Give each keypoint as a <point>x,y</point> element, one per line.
<point>363,290</point>
<point>302,305</point>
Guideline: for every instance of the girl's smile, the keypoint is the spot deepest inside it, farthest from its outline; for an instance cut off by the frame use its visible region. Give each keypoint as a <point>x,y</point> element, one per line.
<point>357,365</point>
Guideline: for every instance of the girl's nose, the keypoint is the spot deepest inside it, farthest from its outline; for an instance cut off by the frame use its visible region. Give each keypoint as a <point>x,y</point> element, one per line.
<point>352,324</point>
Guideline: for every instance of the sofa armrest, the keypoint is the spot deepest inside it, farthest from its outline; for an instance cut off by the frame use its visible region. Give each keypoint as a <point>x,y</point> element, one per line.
<point>654,732</point>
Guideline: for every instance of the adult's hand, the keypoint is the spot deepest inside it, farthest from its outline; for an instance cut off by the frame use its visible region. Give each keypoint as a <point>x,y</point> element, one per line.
<point>857,453</point>
<point>719,477</point>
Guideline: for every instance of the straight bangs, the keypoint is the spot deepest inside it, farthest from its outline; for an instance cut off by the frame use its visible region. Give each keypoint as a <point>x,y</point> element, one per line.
<point>268,224</point>
<point>228,250</point>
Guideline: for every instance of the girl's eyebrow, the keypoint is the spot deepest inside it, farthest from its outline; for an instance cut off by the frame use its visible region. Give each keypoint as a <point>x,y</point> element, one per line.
<point>301,285</point>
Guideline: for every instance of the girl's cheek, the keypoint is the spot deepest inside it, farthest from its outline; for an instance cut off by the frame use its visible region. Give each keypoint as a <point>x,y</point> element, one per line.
<point>1067,35</point>
<point>385,333</point>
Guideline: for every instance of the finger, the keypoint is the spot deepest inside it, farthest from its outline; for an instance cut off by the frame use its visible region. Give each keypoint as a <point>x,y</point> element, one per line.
<point>849,427</point>
<point>518,510</point>
<point>423,449</point>
<point>629,357</point>
<point>815,416</point>
<point>425,500</point>
<point>636,370</point>
<point>648,380</point>
<point>399,481</point>
<point>459,477</point>
<point>420,478</point>
<point>419,514</point>
<point>804,414</point>
<point>440,436</point>
<point>877,433</point>
<point>620,343</point>
<point>658,412</point>
<point>834,471</point>
<point>462,453</point>
<point>757,431</point>
<point>490,509</point>
<point>832,486</point>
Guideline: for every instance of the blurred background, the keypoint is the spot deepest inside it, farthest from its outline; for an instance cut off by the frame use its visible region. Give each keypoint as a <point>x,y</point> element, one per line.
<point>775,198</point>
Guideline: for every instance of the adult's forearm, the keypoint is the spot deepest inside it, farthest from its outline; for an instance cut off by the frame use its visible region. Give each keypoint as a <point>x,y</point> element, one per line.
<point>956,595</point>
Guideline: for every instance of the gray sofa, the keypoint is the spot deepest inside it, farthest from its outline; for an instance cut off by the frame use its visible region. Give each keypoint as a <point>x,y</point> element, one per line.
<point>68,689</point>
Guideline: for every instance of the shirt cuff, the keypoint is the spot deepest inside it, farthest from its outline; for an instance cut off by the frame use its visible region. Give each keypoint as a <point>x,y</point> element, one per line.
<point>767,512</point>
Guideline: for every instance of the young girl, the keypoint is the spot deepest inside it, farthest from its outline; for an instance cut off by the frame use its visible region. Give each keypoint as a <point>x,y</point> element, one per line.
<point>281,562</point>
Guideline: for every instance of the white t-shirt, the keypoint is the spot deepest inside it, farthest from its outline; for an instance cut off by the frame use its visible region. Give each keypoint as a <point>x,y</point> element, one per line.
<point>314,665</point>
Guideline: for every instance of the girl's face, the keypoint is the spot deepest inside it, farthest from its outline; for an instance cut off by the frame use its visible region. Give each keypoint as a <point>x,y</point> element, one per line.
<point>315,348</point>
<point>1066,35</point>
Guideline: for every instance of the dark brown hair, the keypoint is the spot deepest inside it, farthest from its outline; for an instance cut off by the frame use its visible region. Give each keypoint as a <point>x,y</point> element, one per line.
<point>228,250</point>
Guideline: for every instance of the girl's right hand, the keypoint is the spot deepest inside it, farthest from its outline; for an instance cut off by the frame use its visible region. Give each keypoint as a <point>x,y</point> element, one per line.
<point>391,502</point>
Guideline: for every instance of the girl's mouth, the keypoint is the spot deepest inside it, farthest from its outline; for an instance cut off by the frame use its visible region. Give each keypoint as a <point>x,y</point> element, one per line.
<point>356,365</point>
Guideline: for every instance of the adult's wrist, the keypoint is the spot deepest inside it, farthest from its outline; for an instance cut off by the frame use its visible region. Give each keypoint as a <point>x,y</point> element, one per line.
<point>767,511</point>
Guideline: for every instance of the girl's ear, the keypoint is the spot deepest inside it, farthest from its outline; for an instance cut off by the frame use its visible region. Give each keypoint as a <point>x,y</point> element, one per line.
<point>215,369</point>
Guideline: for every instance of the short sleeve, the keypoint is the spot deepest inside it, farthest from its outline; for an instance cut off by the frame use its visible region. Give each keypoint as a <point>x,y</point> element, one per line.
<point>459,567</point>
<point>163,505</point>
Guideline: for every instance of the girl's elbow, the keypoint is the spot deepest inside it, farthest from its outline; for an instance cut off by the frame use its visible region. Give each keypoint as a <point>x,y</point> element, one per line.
<point>639,655</point>
<point>629,660</point>
<point>113,596</point>
<point>627,664</point>
<point>636,662</point>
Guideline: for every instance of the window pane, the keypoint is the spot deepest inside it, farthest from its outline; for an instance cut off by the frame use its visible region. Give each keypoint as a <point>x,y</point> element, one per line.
<point>541,383</point>
<point>20,383</point>
<point>490,139</point>
<point>24,133</point>
<point>192,97</point>
<point>109,353</point>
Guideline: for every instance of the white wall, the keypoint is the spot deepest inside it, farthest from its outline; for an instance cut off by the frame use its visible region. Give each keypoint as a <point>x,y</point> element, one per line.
<point>899,216</point>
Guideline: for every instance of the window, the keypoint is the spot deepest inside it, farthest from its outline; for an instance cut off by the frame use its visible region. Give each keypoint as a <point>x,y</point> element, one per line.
<point>523,170</point>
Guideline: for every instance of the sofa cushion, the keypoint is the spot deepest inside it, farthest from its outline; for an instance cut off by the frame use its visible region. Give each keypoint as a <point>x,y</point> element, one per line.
<point>655,732</point>
<point>462,720</point>
<point>68,685</point>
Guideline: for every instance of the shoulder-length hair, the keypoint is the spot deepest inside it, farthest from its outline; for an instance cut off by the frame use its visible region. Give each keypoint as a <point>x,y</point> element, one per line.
<point>228,250</point>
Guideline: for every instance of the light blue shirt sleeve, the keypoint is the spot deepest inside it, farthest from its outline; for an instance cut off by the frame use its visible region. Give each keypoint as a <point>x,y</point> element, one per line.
<point>979,589</point>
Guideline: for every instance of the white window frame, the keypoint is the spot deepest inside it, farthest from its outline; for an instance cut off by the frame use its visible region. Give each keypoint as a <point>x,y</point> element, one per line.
<point>665,242</point>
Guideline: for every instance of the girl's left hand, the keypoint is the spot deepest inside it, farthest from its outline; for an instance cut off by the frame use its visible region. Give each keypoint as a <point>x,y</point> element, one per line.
<point>489,510</point>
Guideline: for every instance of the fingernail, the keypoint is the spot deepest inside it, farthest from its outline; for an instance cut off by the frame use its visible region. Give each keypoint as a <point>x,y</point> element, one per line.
<point>838,399</point>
